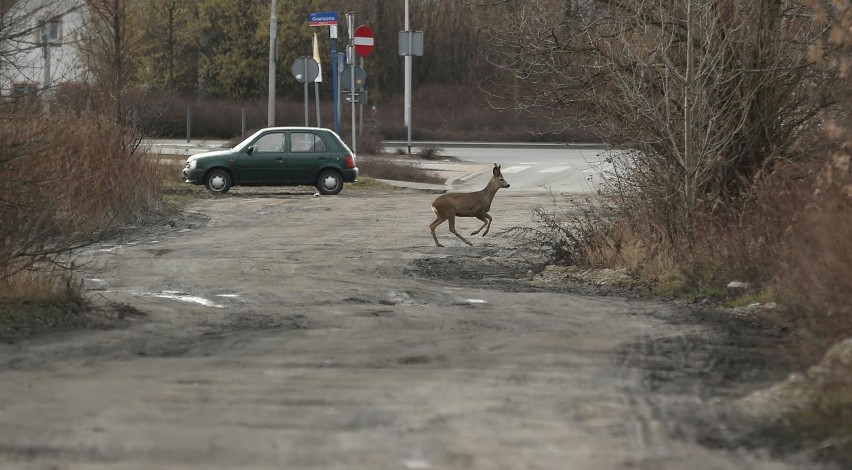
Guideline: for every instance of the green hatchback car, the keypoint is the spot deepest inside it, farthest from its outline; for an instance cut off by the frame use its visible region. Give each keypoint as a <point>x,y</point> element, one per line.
<point>277,156</point>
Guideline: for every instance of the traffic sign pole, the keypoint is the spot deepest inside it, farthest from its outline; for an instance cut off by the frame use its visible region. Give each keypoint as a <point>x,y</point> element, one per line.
<point>334,84</point>
<point>330,18</point>
<point>350,60</point>
<point>307,100</point>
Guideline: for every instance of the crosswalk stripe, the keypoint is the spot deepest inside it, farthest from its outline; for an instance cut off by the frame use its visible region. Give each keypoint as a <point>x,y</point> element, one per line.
<point>554,169</point>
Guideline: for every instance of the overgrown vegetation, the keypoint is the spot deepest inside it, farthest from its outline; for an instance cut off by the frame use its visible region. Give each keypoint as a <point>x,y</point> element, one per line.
<point>724,171</point>
<point>71,176</point>
<point>389,169</point>
<point>732,121</point>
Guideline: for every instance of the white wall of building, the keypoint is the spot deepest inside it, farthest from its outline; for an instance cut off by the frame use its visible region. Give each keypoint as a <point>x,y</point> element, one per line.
<point>22,58</point>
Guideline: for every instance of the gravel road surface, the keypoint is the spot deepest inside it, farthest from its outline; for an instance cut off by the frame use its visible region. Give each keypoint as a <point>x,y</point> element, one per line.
<point>275,329</point>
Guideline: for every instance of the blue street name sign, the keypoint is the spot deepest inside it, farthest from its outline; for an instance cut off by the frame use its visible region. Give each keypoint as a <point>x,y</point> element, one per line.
<point>323,18</point>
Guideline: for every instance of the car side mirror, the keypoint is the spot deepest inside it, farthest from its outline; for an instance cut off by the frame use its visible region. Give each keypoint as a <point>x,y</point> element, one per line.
<point>250,149</point>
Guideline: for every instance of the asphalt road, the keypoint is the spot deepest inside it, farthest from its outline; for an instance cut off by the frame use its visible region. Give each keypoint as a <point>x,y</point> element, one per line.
<point>561,169</point>
<point>527,167</point>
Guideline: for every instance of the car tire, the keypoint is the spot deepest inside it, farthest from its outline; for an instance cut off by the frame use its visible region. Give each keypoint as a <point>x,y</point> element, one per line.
<point>218,181</point>
<point>329,182</point>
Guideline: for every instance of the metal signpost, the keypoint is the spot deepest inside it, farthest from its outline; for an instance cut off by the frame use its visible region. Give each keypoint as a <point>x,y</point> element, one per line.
<point>330,19</point>
<point>410,44</point>
<point>305,70</point>
<point>365,39</point>
<point>318,80</point>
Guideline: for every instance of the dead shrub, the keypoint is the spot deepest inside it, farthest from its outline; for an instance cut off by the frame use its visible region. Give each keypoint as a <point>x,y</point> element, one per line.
<point>68,182</point>
<point>813,270</point>
<point>430,152</point>
<point>572,231</point>
<point>388,169</point>
<point>370,142</point>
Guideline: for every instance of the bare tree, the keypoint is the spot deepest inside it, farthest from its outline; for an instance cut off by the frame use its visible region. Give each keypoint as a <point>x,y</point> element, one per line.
<point>108,48</point>
<point>706,94</point>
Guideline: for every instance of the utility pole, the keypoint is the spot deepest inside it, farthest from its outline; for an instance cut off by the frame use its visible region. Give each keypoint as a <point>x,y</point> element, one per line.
<point>273,42</point>
<point>350,60</point>
<point>407,105</point>
<point>45,41</point>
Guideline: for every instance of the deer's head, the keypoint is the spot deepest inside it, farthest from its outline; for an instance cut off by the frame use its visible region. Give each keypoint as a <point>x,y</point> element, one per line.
<point>498,177</point>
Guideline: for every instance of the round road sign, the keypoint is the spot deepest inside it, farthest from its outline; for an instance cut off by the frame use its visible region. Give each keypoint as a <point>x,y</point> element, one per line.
<point>305,69</point>
<point>364,40</point>
<point>346,78</point>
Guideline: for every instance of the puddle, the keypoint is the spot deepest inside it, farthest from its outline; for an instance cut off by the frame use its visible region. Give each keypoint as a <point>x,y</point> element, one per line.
<point>182,297</point>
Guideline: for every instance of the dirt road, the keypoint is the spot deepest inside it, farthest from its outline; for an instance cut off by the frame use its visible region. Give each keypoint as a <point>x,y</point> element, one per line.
<point>274,329</point>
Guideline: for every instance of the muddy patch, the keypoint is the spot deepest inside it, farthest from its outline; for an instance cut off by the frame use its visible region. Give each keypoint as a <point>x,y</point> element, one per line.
<point>482,267</point>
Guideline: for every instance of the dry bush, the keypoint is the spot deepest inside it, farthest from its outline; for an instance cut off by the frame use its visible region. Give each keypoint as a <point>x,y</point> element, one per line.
<point>813,267</point>
<point>572,231</point>
<point>67,181</point>
<point>813,270</point>
<point>370,142</point>
<point>45,282</point>
<point>384,168</point>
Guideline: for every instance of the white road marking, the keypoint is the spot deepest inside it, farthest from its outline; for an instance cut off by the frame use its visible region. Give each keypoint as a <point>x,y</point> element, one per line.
<point>515,169</point>
<point>555,169</point>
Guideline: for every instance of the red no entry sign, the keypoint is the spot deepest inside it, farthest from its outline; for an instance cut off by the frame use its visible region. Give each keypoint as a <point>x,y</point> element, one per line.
<point>363,40</point>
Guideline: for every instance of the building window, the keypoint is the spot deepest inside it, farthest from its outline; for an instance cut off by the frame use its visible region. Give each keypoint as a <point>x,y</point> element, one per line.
<point>24,91</point>
<point>48,30</point>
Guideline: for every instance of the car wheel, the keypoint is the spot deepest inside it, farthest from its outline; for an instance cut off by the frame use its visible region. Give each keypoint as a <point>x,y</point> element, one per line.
<point>218,181</point>
<point>329,182</point>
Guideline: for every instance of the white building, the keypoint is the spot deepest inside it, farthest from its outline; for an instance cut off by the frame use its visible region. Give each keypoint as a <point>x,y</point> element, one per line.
<point>39,43</point>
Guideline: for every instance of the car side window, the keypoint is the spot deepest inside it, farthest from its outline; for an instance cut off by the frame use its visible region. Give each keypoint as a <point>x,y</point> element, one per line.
<point>272,142</point>
<point>306,142</point>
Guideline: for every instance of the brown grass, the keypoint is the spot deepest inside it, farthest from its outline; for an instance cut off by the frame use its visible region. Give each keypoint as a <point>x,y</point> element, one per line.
<point>68,181</point>
<point>389,169</point>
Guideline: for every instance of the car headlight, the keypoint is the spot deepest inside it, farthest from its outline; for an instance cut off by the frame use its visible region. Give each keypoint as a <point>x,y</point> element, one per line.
<point>190,164</point>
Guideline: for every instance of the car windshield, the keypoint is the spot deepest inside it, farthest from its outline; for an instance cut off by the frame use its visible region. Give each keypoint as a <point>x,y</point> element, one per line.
<point>246,142</point>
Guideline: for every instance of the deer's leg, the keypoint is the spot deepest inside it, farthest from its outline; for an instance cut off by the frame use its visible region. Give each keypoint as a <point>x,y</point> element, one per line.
<point>486,221</point>
<point>487,216</point>
<point>452,221</point>
<point>438,221</point>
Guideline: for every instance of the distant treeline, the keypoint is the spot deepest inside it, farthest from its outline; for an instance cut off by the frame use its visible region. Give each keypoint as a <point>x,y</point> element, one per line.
<point>220,48</point>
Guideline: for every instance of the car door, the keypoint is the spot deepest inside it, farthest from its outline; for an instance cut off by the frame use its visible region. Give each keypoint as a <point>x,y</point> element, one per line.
<point>264,161</point>
<point>308,153</point>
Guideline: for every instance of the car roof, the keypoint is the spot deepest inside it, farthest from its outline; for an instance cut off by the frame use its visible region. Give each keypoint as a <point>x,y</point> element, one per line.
<point>294,128</point>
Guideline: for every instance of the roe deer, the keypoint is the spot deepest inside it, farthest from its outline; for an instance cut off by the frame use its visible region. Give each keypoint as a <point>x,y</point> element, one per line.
<point>451,205</point>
